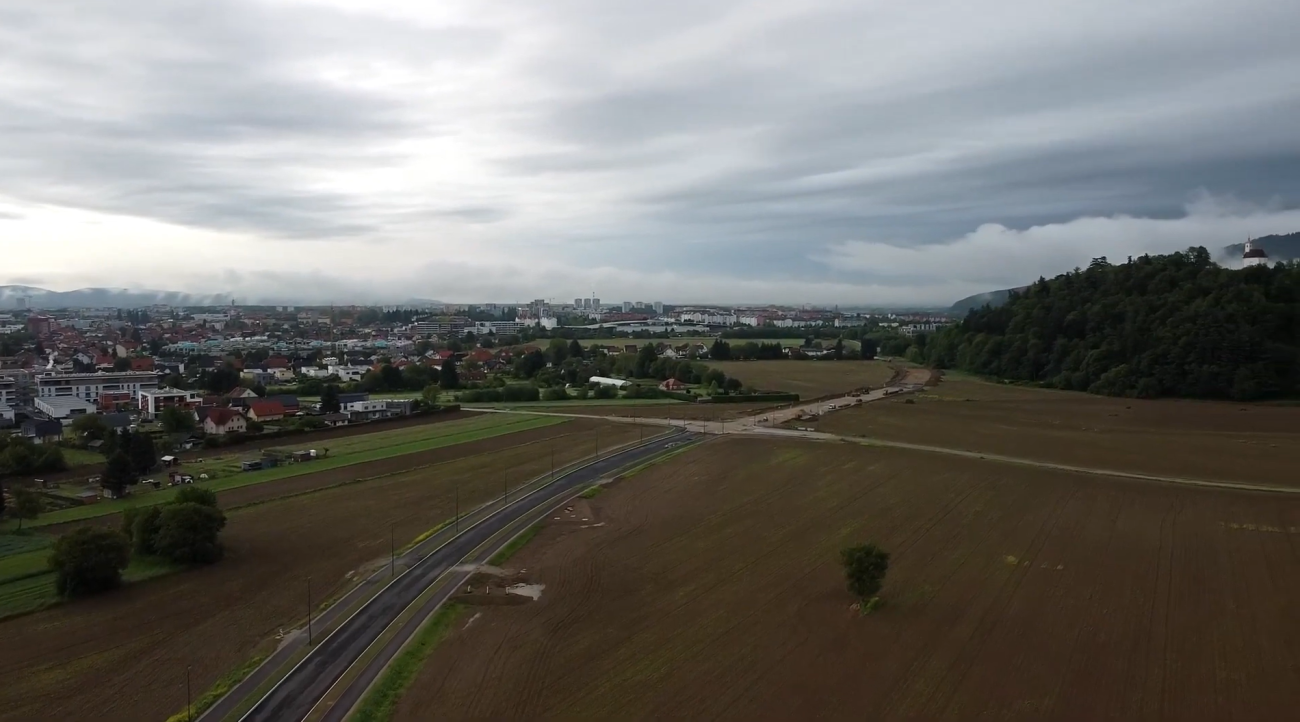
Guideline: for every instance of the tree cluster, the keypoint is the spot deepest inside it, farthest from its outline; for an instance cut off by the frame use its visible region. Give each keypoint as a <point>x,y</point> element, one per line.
<point>184,531</point>
<point>1173,325</point>
<point>20,457</point>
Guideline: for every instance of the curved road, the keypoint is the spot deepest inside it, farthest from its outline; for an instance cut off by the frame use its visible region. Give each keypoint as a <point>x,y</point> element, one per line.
<point>308,683</point>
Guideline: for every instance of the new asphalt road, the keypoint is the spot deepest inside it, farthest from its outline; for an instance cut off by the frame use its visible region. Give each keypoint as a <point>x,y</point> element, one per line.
<point>300,691</point>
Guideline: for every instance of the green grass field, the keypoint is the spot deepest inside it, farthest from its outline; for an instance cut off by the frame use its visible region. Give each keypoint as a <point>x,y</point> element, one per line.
<point>577,404</point>
<point>36,591</point>
<point>18,544</point>
<point>224,468</point>
<point>19,566</point>
<point>81,457</point>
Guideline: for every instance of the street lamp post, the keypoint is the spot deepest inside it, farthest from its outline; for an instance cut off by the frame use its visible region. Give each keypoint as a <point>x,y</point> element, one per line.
<point>189,709</point>
<point>457,507</point>
<point>309,611</point>
<point>392,549</point>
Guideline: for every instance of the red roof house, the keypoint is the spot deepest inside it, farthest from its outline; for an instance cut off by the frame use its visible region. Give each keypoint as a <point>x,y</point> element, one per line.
<point>265,411</point>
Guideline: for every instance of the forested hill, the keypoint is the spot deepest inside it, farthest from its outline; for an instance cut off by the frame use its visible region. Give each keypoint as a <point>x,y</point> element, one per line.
<point>1175,325</point>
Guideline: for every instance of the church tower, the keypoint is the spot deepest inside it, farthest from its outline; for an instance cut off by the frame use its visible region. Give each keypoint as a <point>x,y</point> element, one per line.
<point>1254,255</point>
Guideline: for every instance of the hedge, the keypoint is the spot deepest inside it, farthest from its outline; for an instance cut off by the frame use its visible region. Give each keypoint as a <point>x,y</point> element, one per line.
<point>751,399</point>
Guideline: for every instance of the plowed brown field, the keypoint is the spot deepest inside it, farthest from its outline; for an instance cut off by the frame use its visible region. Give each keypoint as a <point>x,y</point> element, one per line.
<point>713,590</point>
<point>1186,439</point>
<point>122,656</point>
<point>809,379</point>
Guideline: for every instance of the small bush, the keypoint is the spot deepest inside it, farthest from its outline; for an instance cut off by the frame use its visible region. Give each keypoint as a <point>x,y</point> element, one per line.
<point>865,567</point>
<point>196,495</point>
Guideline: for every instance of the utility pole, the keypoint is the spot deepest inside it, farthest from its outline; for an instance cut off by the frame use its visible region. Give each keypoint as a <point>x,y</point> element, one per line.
<point>457,507</point>
<point>552,461</point>
<point>505,486</point>
<point>392,549</point>
<point>189,709</point>
<point>308,611</point>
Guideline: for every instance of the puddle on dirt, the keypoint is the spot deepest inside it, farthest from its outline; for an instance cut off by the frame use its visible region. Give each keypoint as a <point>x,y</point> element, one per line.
<point>532,591</point>
<point>480,569</point>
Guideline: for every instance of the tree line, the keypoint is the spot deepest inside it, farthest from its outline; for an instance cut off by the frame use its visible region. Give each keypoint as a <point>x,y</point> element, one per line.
<point>1168,325</point>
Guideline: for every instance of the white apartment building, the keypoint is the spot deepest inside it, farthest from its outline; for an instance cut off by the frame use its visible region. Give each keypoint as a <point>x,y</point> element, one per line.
<point>8,391</point>
<point>90,387</point>
<point>500,328</point>
<point>710,318</point>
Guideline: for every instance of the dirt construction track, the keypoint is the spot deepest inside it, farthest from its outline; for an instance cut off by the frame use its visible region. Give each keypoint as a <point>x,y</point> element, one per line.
<point>712,590</point>
<point>122,656</point>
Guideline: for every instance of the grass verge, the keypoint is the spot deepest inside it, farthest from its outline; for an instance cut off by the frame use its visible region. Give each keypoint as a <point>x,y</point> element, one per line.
<point>592,492</point>
<point>381,701</point>
<point>514,545</point>
<point>219,689</point>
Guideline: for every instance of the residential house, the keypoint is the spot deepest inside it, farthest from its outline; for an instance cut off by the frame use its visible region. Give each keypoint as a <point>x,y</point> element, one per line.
<point>152,402</point>
<point>672,385</point>
<point>288,401</point>
<point>352,397</point>
<point>239,392</point>
<point>6,415</point>
<point>367,410</point>
<point>336,419</point>
<point>142,363</point>
<point>400,407</point>
<point>219,422</point>
<point>43,432</point>
<point>259,377</point>
<point>263,411</point>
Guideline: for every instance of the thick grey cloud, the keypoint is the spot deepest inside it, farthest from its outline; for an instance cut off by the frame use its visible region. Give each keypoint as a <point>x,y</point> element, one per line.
<point>860,152</point>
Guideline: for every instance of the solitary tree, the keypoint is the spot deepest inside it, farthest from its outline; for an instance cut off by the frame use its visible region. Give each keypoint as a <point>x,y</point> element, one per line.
<point>144,456</point>
<point>575,349</point>
<point>89,560</point>
<point>447,376</point>
<point>188,533</point>
<point>329,399</point>
<point>119,474</point>
<point>177,420</point>
<point>864,570</point>
<point>90,427</point>
<point>27,505</point>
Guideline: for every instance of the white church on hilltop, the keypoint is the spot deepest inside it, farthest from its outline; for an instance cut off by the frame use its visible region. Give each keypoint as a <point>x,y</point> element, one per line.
<point>1253,255</point>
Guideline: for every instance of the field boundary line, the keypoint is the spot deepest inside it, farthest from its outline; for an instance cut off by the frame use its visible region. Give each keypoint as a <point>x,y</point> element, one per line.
<point>1135,475</point>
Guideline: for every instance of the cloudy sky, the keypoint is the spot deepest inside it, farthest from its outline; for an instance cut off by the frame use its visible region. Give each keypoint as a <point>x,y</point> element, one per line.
<point>865,152</point>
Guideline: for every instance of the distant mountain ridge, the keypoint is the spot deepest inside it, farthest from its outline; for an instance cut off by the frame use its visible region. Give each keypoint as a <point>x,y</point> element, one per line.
<point>11,297</point>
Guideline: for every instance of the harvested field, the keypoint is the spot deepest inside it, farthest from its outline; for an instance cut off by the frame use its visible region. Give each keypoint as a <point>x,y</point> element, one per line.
<point>809,379</point>
<point>122,656</point>
<point>713,590</point>
<point>1187,439</point>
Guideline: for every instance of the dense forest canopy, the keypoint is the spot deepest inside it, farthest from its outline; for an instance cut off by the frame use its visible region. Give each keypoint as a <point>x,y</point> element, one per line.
<point>1174,325</point>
